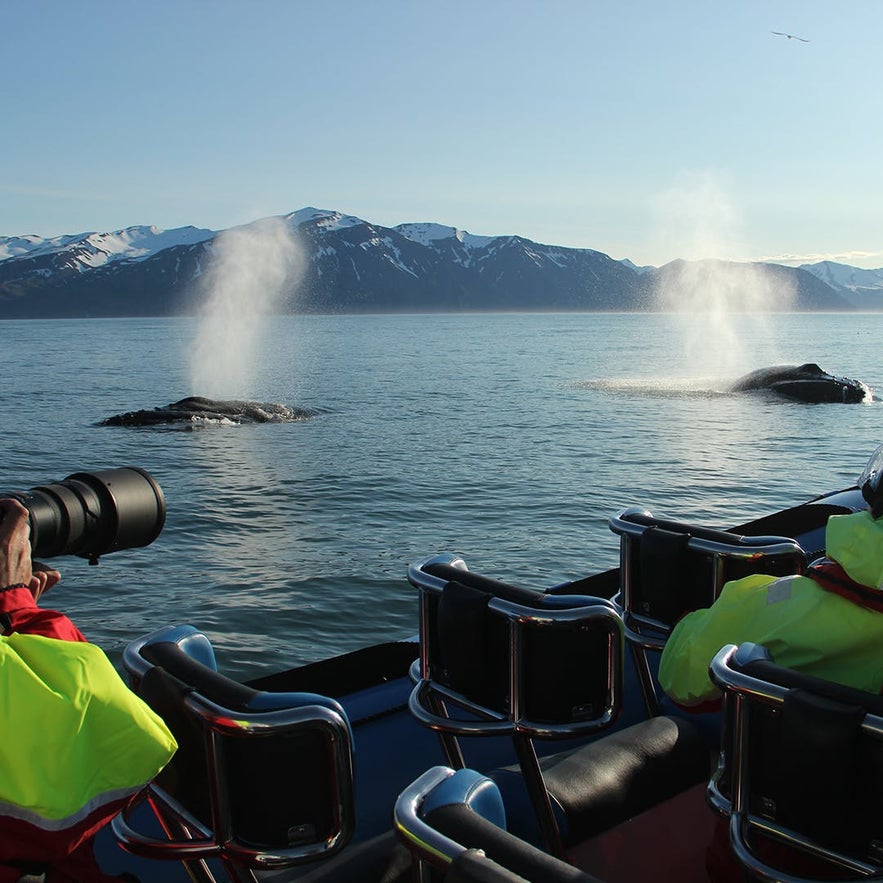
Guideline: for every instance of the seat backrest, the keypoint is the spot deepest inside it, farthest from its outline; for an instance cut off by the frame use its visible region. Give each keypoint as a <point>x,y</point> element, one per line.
<point>267,777</point>
<point>668,568</point>
<point>498,659</point>
<point>512,655</point>
<point>801,763</point>
<point>445,816</point>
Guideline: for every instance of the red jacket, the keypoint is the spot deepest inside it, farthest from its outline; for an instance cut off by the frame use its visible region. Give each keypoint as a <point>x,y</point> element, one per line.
<point>25,617</point>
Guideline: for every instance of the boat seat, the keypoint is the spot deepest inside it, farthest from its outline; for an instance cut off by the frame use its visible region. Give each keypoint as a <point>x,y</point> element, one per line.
<point>497,659</point>
<point>260,780</point>
<point>455,821</point>
<point>800,775</point>
<point>668,568</point>
<point>602,784</point>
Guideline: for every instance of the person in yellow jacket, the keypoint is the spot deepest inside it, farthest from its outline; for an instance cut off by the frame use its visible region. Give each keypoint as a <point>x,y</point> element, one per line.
<point>827,622</point>
<point>77,743</point>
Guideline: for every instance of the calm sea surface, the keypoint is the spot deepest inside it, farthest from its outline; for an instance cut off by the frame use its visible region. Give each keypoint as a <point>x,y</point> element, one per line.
<point>507,438</point>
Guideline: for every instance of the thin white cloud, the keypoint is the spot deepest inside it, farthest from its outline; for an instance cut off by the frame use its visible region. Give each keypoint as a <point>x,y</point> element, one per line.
<point>850,258</point>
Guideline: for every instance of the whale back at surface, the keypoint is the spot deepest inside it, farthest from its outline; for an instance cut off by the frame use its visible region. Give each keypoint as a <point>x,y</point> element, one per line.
<point>193,409</point>
<point>805,383</point>
<point>763,378</point>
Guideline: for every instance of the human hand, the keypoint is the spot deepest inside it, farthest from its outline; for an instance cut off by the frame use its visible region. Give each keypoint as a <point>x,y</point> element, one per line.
<point>16,567</point>
<point>43,578</point>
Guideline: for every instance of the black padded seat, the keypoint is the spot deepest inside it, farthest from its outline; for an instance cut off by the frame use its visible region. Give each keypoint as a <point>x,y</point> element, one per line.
<point>523,860</point>
<point>473,866</point>
<point>498,659</point>
<point>597,786</point>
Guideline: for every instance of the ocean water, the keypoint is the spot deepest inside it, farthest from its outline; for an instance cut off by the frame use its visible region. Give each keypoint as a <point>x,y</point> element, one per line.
<point>507,438</point>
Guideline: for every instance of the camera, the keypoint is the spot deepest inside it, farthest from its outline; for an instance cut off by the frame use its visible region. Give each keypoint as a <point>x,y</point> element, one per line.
<point>94,513</point>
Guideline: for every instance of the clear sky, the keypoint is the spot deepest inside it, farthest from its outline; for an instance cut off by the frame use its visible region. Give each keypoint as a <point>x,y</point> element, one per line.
<point>645,130</point>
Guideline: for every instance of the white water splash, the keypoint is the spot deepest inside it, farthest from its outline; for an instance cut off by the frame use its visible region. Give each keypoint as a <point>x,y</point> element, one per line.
<point>253,270</point>
<point>659,387</point>
<point>720,304</point>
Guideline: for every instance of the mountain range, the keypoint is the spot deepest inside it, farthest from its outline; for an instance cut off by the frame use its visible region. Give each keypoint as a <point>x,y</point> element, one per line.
<point>351,265</point>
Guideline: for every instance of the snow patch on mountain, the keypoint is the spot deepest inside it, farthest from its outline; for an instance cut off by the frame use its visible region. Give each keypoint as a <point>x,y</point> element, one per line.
<point>324,218</point>
<point>16,246</point>
<point>429,234</point>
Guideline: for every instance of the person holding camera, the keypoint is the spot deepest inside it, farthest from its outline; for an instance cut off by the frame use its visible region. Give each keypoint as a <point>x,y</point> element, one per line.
<point>77,742</point>
<point>23,582</point>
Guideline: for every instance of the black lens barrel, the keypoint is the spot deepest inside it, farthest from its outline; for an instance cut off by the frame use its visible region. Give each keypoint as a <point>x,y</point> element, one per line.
<point>94,513</point>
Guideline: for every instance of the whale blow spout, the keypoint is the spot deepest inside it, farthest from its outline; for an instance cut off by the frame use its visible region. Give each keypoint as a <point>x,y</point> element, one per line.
<point>804,383</point>
<point>196,409</point>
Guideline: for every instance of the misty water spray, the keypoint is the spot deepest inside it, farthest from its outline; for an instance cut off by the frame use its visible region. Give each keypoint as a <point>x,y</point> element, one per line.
<point>252,271</point>
<point>720,304</point>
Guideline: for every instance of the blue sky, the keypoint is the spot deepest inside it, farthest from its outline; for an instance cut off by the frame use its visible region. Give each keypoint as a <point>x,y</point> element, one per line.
<point>645,130</point>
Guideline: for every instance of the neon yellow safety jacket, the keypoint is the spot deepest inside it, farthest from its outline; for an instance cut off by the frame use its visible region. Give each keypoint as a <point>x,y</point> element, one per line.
<point>76,744</point>
<point>822,631</point>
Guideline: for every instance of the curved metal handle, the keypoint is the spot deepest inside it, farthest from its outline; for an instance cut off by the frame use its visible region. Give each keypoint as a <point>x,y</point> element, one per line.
<point>148,846</point>
<point>418,703</point>
<point>770,874</point>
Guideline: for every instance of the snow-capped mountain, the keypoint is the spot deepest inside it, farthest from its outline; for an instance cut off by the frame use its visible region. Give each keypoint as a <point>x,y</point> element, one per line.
<point>351,265</point>
<point>90,250</point>
<point>431,267</point>
<point>863,288</point>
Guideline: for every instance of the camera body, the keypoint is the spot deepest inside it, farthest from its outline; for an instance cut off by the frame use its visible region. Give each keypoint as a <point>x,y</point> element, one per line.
<point>94,513</point>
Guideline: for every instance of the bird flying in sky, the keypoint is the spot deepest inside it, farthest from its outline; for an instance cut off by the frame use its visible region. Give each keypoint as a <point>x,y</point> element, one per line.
<point>789,36</point>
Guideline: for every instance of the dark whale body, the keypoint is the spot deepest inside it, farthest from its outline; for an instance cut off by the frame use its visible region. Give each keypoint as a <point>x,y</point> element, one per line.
<point>805,383</point>
<point>197,408</point>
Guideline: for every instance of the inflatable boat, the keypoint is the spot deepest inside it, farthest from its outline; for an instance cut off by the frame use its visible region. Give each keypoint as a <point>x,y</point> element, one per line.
<point>520,734</point>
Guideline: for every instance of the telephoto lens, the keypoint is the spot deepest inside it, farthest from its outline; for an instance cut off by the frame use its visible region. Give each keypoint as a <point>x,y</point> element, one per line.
<point>94,513</point>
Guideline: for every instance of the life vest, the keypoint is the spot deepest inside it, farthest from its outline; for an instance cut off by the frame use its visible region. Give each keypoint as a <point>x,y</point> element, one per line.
<point>826,623</point>
<point>76,744</point>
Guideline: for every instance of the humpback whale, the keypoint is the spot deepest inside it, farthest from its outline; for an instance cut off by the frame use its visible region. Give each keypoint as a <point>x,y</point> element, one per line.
<point>196,408</point>
<point>805,383</point>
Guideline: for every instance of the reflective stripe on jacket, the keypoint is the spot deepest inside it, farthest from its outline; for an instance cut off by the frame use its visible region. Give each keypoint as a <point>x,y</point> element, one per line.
<point>804,626</point>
